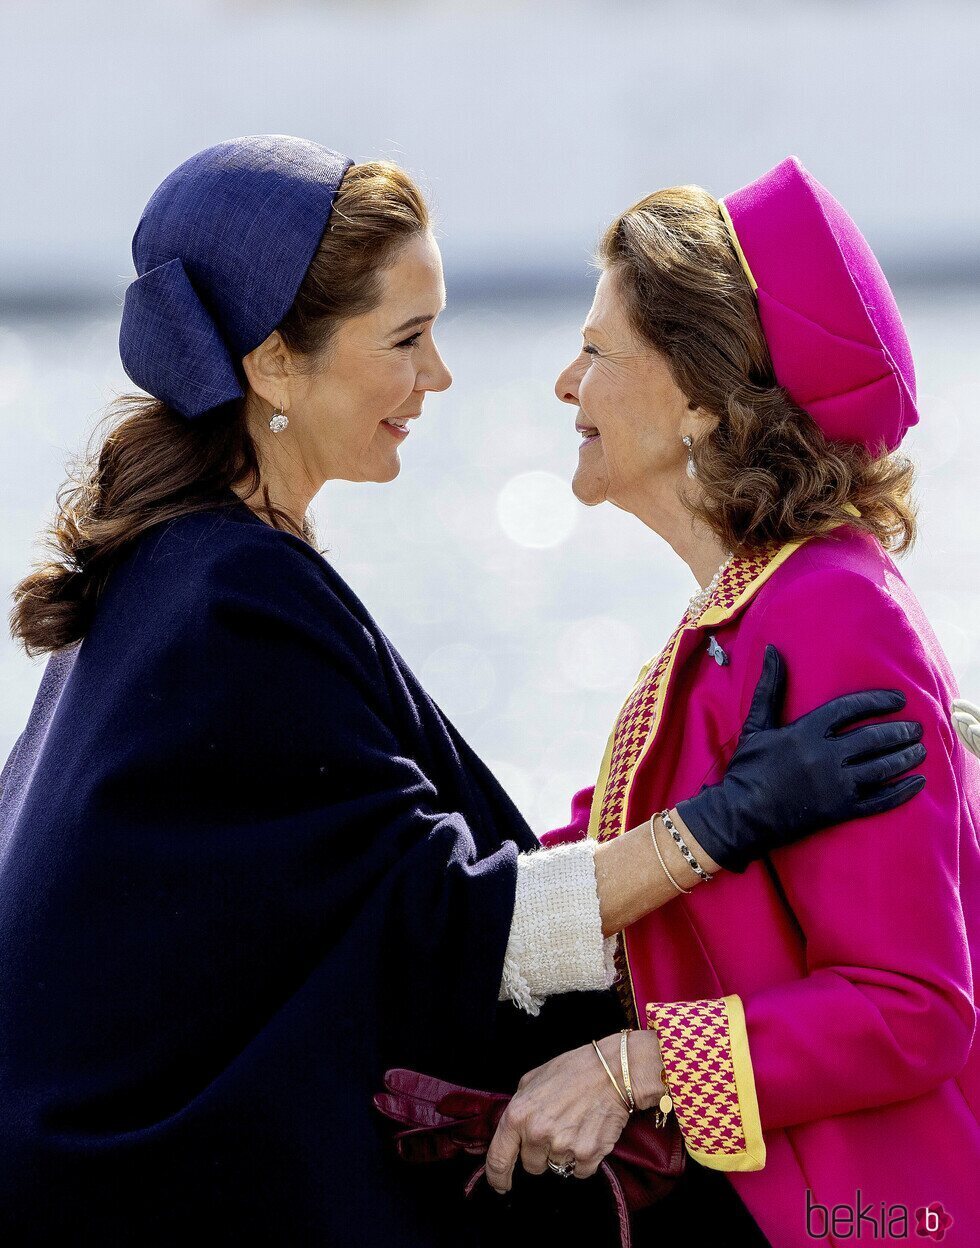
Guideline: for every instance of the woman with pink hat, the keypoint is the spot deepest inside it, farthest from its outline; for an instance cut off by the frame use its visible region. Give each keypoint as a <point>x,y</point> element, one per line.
<point>743,385</point>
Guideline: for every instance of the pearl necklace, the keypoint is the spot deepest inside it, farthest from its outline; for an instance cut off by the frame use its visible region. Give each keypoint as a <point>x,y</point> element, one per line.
<point>700,600</point>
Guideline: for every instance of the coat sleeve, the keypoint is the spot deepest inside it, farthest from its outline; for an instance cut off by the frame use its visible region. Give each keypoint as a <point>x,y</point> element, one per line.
<point>884,1008</point>
<point>243,844</point>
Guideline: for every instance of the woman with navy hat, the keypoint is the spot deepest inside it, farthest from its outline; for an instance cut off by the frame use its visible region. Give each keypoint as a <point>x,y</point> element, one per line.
<point>743,387</point>
<point>246,864</point>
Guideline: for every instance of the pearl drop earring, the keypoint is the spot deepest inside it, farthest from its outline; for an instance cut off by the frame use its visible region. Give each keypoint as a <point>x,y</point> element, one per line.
<point>279,420</point>
<point>691,470</point>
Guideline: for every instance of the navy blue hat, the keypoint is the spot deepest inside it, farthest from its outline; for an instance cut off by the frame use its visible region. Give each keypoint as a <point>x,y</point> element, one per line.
<point>221,249</point>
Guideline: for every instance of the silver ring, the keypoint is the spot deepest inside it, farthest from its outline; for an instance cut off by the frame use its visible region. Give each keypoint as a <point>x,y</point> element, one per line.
<point>566,1171</point>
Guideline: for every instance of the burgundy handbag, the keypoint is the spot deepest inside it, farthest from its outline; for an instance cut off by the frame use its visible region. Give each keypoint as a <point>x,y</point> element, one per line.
<point>444,1120</point>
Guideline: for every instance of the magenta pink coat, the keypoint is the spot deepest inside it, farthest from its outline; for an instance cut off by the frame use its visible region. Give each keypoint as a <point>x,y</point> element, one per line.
<point>817,1013</point>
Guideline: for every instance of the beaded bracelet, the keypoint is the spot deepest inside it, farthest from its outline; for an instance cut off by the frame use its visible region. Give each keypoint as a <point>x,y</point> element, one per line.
<point>692,862</point>
<point>660,858</point>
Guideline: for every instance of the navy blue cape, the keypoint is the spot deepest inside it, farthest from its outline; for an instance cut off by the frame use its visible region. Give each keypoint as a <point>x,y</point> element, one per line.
<point>247,865</point>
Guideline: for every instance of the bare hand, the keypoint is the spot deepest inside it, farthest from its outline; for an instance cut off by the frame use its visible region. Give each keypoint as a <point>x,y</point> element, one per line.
<point>567,1109</point>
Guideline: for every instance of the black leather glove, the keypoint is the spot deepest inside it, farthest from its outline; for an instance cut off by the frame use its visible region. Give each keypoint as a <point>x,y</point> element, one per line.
<point>785,782</point>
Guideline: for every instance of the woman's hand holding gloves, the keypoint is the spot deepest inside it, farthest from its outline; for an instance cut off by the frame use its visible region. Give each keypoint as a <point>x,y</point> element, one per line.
<point>784,782</point>
<point>568,1111</point>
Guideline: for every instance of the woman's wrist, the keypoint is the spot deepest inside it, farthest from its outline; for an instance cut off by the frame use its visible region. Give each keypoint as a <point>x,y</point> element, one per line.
<point>704,859</point>
<point>643,869</point>
<point>645,1065</point>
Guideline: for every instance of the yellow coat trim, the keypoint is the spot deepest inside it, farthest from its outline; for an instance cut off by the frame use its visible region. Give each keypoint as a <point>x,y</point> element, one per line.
<point>633,731</point>
<point>755,1144</point>
<point>632,735</point>
<point>718,612</point>
<point>705,1050</point>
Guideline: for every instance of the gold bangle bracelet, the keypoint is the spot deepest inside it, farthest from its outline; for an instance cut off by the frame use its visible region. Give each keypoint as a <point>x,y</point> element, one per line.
<point>612,1077</point>
<point>624,1062</point>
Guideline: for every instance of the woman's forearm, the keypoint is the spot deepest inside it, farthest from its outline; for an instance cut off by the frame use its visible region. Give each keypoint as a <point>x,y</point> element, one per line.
<point>630,879</point>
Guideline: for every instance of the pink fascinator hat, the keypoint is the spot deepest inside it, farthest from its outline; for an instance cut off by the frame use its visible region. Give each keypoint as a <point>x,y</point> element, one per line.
<point>835,335</point>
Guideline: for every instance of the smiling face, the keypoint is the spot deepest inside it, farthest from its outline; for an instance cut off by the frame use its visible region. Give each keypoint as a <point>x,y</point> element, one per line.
<point>631,413</point>
<point>354,411</point>
<point>351,406</point>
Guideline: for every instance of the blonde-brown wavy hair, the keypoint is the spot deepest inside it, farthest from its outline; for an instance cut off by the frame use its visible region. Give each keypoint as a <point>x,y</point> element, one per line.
<point>152,465</point>
<point>766,472</point>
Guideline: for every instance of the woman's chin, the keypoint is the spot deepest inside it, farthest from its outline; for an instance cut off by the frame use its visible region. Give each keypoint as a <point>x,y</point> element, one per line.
<point>387,471</point>
<point>589,487</point>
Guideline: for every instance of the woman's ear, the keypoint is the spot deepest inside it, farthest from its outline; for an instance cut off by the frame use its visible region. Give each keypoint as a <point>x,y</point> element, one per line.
<point>698,422</point>
<point>266,367</point>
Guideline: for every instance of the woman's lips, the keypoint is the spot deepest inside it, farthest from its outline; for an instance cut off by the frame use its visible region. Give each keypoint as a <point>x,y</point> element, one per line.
<point>588,434</point>
<point>397,426</point>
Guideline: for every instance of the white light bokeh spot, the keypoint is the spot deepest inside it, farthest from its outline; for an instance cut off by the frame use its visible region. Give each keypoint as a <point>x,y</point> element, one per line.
<point>537,510</point>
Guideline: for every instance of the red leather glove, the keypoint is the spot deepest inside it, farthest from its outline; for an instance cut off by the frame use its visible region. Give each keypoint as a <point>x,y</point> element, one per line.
<point>443,1120</point>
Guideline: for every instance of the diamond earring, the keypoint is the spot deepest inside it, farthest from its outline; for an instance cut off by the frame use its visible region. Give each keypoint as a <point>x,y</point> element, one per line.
<point>279,420</point>
<point>691,470</point>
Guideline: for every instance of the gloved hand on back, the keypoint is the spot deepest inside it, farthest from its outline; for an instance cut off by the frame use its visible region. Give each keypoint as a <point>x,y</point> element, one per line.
<point>785,781</point>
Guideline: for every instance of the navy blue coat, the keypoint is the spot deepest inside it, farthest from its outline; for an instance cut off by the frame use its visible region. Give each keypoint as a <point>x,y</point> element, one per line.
<point>247,865</point>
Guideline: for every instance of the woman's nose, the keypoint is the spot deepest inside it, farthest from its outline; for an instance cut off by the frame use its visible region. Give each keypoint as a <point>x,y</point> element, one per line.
<point>436,376</point>
<point>566,387</point>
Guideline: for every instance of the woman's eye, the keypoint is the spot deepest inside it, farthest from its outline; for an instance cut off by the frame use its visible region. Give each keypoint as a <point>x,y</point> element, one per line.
<point>589,350</point>
<point>410,342</point>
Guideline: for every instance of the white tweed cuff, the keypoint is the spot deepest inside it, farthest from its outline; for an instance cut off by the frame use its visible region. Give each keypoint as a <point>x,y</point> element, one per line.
<point>556,942</point>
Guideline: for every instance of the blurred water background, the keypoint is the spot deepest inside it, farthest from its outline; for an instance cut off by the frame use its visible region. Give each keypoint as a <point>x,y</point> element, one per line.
<point>526,615</point>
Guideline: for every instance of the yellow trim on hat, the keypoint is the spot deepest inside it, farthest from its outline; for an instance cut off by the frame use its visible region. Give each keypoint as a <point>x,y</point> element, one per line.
<point>723,212</point>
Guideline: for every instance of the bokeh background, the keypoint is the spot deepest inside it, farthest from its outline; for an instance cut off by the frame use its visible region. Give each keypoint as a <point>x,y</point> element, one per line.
<point>530,124</point>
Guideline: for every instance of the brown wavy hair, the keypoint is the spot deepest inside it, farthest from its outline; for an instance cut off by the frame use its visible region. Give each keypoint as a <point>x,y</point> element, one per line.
<point>152,465</point>
<point>766,471</point>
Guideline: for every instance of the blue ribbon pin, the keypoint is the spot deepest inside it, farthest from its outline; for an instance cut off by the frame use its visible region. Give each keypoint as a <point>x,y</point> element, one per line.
<point>715,651</point>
